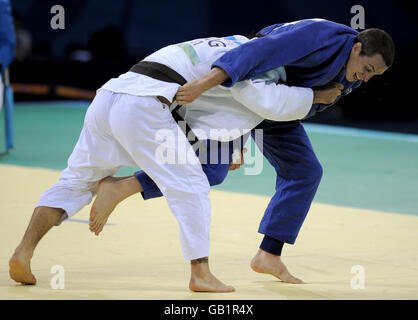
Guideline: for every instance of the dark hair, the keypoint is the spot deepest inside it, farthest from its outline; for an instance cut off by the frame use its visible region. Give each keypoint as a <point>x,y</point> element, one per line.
<point>376,41</point>
<point>254,34</point>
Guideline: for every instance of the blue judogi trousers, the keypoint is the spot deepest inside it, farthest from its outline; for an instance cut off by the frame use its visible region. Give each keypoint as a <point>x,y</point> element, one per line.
<point>298,173</point>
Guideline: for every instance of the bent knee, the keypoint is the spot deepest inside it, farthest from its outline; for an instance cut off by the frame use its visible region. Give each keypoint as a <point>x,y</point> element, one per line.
<point>216,174</point>
<point>315,173</point>
<point>311,172</point>
<point>216,178</point>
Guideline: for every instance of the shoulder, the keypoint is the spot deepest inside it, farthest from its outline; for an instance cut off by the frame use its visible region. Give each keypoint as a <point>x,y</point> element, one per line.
<point>334,26</point>
<point>313,26</point>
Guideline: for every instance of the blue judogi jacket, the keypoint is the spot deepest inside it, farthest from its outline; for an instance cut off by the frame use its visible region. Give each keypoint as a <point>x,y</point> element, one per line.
<point>313,51</point>
<point>7,35</point>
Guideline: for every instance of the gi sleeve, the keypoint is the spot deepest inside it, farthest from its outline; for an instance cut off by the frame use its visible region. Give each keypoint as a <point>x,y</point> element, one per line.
<point>272,101</point>
<point>275,50</point>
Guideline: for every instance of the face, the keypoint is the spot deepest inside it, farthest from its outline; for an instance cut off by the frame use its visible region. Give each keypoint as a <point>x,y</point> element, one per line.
<point>363,67</point>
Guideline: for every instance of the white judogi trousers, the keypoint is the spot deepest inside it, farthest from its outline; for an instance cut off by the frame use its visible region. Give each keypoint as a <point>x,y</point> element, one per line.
<point>121,130</point>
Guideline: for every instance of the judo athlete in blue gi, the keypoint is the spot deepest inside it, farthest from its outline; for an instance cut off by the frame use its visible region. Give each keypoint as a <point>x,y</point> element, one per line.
<point>316,54</point>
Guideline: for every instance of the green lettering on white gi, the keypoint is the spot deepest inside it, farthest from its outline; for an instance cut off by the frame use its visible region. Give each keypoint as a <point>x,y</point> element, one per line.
<point>190,52</point>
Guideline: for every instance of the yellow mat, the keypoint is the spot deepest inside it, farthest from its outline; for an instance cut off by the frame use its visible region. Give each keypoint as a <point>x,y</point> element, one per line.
<point>138,256</point>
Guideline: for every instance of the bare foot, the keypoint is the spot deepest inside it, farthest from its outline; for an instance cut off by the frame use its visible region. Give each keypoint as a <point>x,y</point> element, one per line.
<point>208,283</point>
<point>19,268</point>
<point>202,280</point>
<point>264,262</point>
<point>106,201</point>
<point>110,192</point>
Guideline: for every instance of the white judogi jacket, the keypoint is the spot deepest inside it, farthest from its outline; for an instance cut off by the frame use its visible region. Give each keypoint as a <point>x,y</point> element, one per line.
<point>242,106</point>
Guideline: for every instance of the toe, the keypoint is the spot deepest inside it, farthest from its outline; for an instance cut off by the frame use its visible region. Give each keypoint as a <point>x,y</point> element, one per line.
<point>230,289</point>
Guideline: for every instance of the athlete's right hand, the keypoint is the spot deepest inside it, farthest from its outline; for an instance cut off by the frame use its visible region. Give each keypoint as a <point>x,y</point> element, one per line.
<point>328,94</point>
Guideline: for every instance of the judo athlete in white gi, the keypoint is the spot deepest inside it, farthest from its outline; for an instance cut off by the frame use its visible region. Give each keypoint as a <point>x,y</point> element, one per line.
<point>121,128</point>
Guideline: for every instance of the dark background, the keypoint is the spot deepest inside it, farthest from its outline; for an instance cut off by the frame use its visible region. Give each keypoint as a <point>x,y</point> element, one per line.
<point>104,38</point>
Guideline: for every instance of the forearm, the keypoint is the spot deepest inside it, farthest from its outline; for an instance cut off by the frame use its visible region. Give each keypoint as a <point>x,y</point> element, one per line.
<point>215,77</point>
<point>271,101</point>
<point>193,89</point>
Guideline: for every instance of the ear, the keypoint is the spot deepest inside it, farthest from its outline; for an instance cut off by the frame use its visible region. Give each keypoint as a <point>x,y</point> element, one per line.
<point>357,48</point>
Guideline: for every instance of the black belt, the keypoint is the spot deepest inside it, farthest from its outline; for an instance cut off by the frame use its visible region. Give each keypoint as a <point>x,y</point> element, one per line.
<point>163,73</point>
<point>158,71</point>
